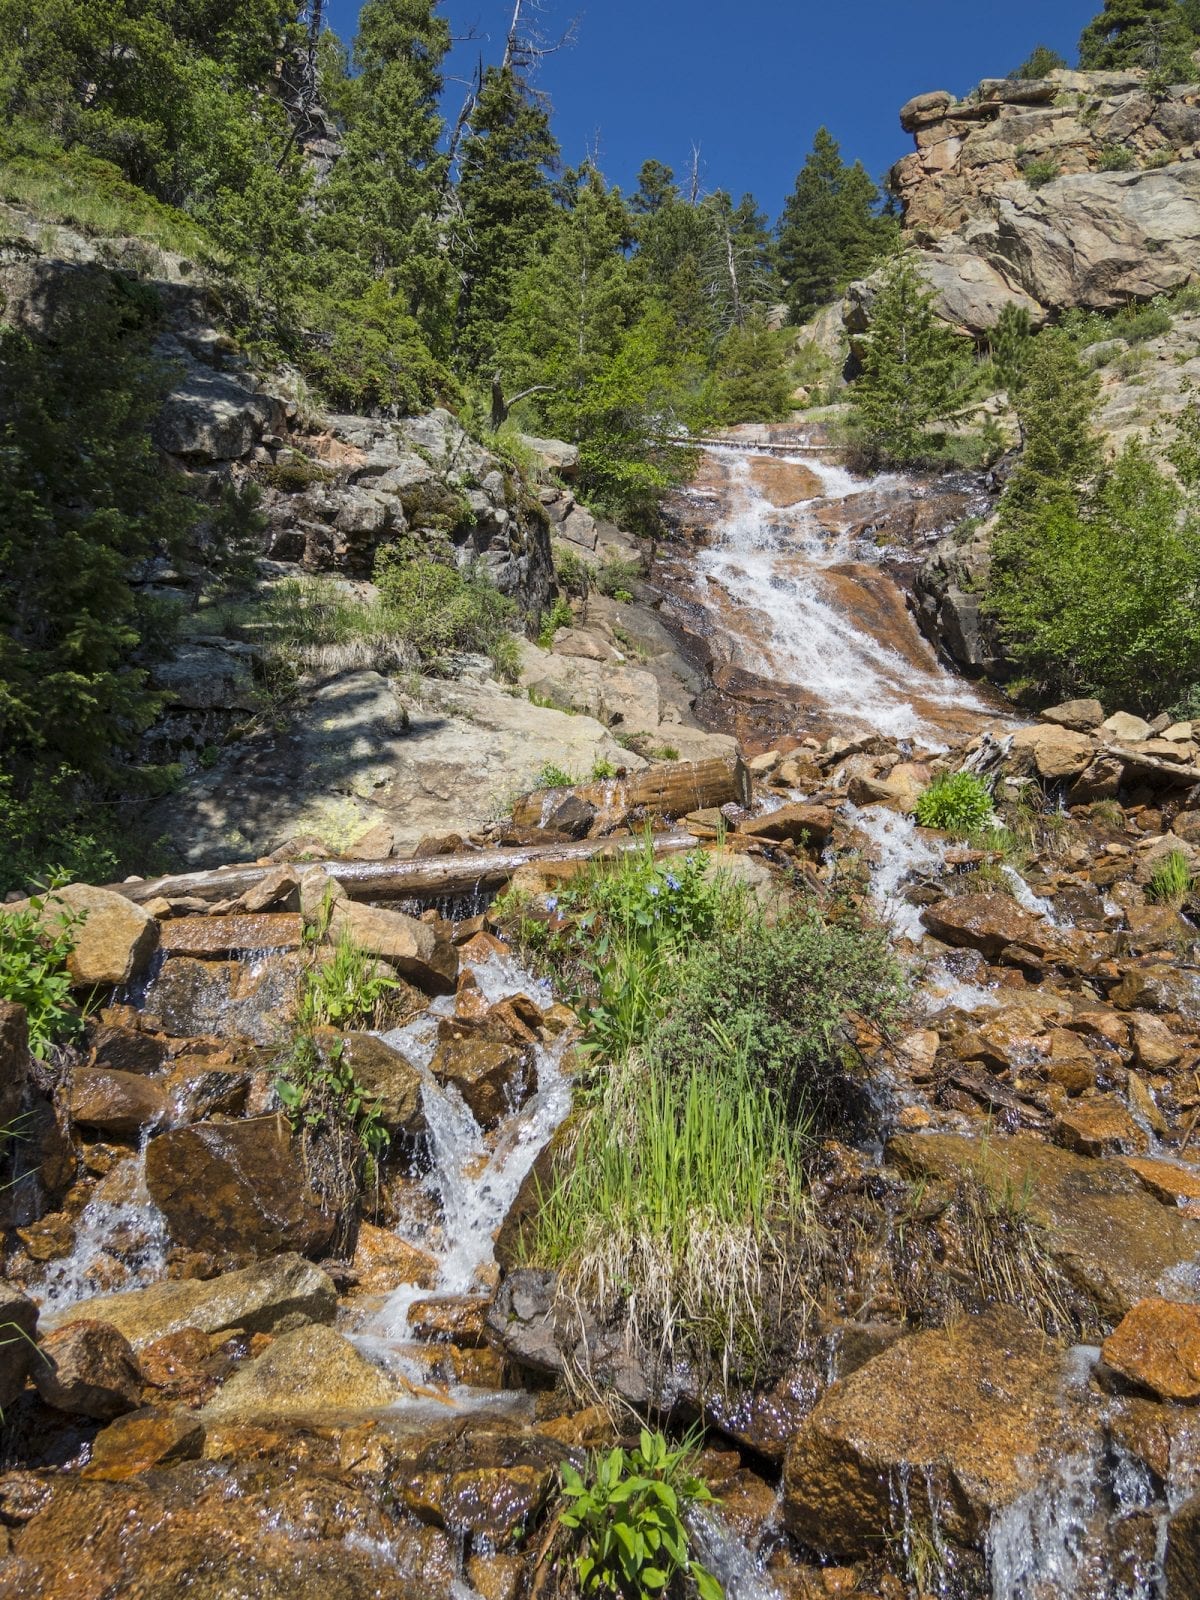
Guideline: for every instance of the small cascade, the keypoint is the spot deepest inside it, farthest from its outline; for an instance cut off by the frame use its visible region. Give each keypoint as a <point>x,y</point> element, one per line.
<point>900,851</point>
<point>120,1242</point>
<point>728,1559</point>
<point>473,1178</point>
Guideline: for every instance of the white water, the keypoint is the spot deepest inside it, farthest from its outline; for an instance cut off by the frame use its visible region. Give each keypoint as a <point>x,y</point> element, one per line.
<point>474,1178</point>
<point>773,562</point>
<point>120,1242</point>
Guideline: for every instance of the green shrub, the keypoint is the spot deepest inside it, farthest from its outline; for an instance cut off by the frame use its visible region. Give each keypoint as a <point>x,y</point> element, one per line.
<point>1171,881</point>
<point>958,803</point>
<point>787,995</point>
<point>571,571</point>
<point>35,943</point>
<point>602,768</point>
<point>559,616</point>
<point>615,576</point>
<point>321,1095</point>
<point>346,991</point>
<point>1039,64</point>
<point>1041,171</point>
<point>549,776</point>
<point>436,607</point>
<point>1117,158</point>
<point>628,1521</point>
<point>294,477</point>
<point>55,827</point>
<point>1136,324</point>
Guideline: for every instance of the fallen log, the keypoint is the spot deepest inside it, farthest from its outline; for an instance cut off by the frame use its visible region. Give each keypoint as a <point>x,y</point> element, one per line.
<point>1169,769</point>
<point>428,879</point>
<point>667,789</point>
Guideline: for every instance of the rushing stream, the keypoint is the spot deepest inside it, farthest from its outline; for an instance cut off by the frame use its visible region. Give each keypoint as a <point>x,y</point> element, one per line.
<point>787,583</point>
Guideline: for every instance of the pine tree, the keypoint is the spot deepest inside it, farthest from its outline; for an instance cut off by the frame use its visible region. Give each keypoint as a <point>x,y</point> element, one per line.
<point>1039,63</point>
<point>84,501</point>
<point>752,379</point>
<point>1095,573</point>
<point>829,232</point>
<point>909,368</point>
<point>1055,397</point>
<point>1154,34</point>
<point>378,210</point>
<point>506,208</point>
<point>573,303</point>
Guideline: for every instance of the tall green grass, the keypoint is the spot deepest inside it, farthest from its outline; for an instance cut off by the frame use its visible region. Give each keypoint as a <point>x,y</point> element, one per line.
<point>679,1208</point>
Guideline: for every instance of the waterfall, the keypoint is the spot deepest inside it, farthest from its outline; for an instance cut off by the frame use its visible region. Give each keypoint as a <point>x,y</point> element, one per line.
<point>800,598</point>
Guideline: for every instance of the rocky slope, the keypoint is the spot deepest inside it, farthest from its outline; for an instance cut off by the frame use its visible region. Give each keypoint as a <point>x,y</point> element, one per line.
<point>1114,216</point>
<point>360,741</point>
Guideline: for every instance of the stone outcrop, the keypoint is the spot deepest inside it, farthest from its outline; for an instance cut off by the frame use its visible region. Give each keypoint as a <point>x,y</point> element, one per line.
<point>966,148</point>
<point>269,1297</point>
<point>238,1187</point>
<point>1107,1234</point>
<point>1114,215</point>
<point>948,1427</point>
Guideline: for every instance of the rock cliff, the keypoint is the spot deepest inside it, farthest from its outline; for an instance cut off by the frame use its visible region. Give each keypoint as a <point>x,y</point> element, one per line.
<point>1079,189</point>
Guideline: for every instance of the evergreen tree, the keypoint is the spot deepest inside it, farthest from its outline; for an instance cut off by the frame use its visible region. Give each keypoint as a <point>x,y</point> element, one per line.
<point>383,274</point>
<point>908,369</point>
<point>830,232</point>
<point>656,188</point>
<point>1095,576</point>
<point>84,501</point>
<point>1154,34</point>
<point>751,376</point>
<point>740,257</point>
<point>1040,63</point>
<point>612,373</point>
<point>1055,396</point>
<point>506,208</point>
<point>573,303</point>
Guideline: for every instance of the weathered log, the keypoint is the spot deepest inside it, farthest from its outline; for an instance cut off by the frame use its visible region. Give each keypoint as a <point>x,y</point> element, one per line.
<point>667,789</point>
<point>427,879</point>
<point>1169,769</point>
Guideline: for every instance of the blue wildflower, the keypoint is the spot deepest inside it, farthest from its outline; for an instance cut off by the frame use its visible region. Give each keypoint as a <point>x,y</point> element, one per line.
<point>654,889</point>
<point>673,882</point>
<point>552,902</point>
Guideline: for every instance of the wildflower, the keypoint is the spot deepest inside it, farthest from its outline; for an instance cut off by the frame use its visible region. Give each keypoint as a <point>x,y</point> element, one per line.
<point>654,890</point>
<point>551,902</point>
<point>673,882</point>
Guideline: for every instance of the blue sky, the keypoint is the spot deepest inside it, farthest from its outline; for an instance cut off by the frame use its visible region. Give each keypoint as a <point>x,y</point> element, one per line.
<point>750,81</point>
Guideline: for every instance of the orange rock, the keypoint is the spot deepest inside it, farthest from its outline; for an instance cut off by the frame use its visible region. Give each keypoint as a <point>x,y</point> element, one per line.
<point>1101,1128</point>
<point>1157,1344</point>
<point>1165,1180</point>
<point>384,1262</point>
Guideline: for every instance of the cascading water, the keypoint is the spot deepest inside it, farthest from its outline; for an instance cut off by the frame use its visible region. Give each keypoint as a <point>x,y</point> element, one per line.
<point>799,600</point>
<point>474,1179</point>
<point>120,1242</point>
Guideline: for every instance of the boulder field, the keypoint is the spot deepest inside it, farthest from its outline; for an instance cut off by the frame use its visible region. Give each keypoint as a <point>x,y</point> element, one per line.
<point>1010,1290</point>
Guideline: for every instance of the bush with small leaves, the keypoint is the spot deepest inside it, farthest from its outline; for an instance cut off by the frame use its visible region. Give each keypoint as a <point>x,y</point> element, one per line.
<point>955,802</point>
<point>34,947</point>
<point>1042,171</point>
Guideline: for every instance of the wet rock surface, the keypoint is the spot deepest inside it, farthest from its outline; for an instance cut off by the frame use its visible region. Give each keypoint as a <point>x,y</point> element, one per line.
<point>970,1417</point>
<point>237,1187</point>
